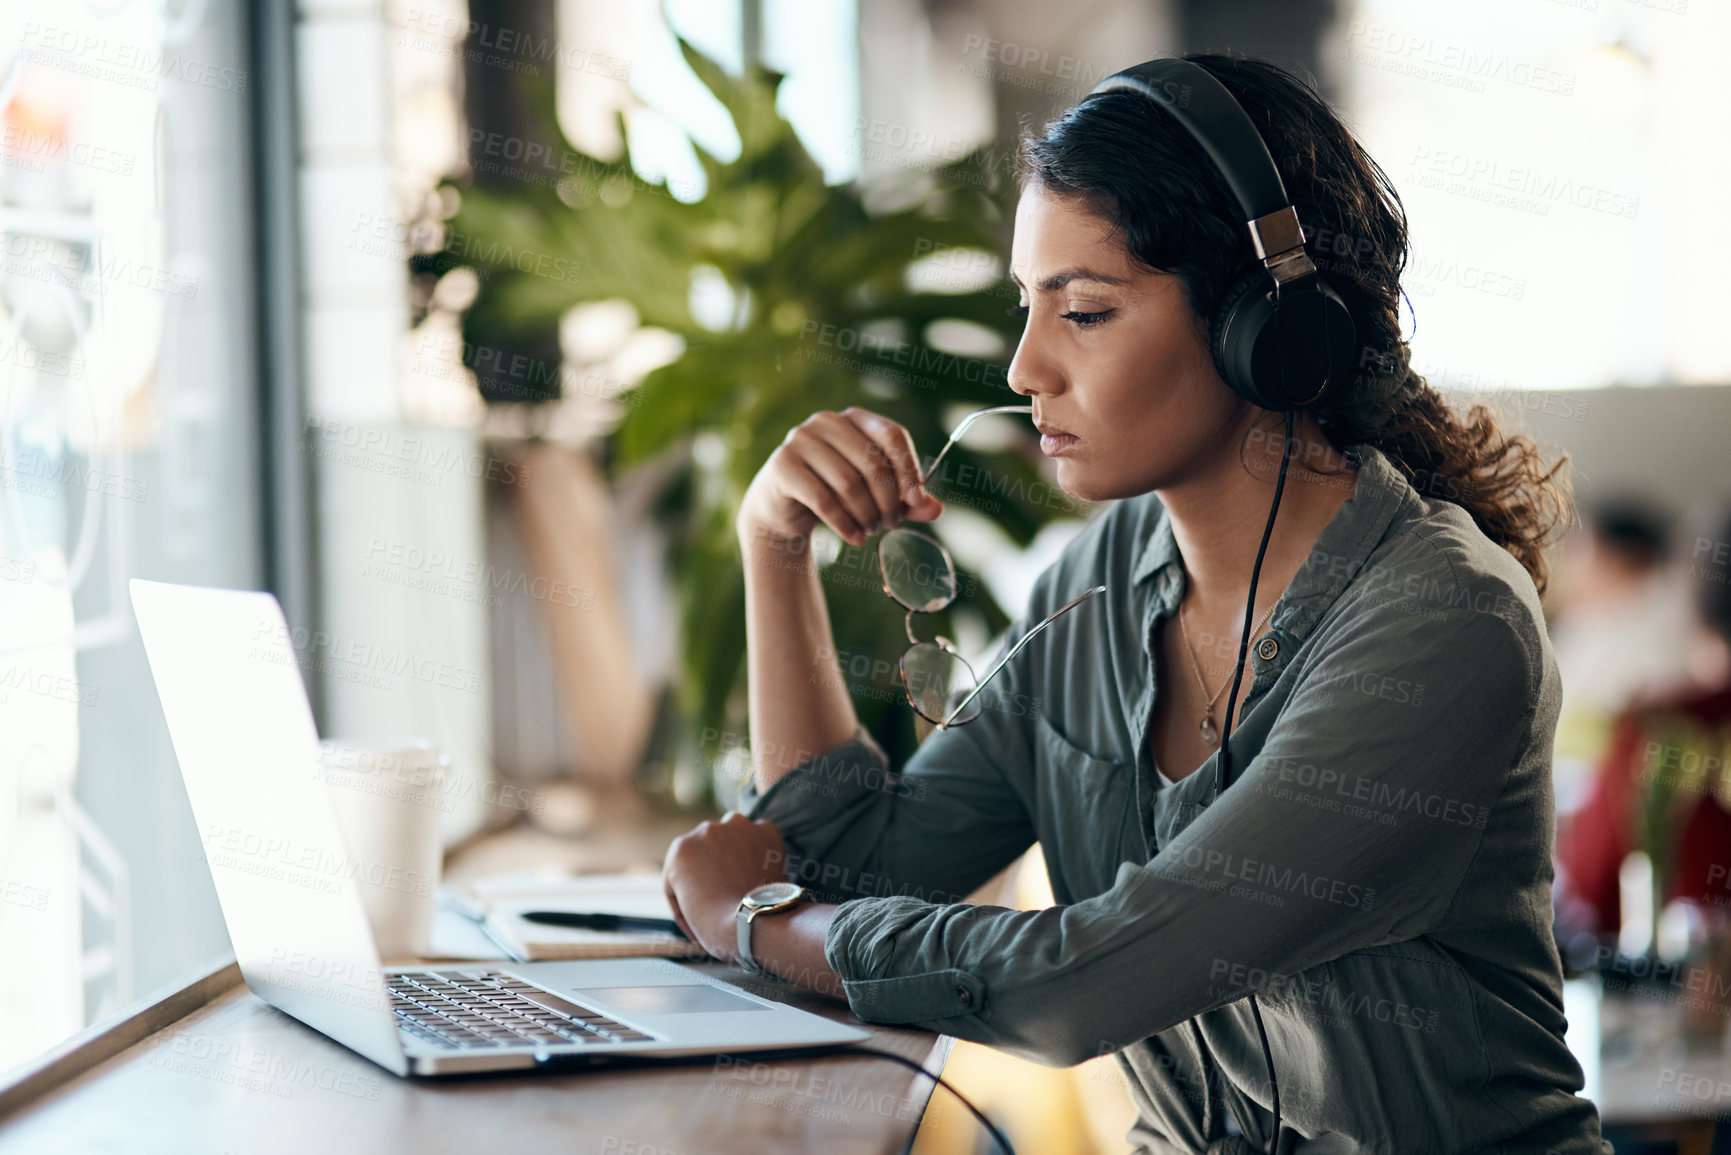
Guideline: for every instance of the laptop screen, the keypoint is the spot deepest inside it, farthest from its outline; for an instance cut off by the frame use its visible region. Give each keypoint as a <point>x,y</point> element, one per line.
<point>230,683</point>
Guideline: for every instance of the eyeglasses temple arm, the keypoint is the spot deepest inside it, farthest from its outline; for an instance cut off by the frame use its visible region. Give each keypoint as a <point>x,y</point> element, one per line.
<point>963,428</point>
<point>1026,638</point>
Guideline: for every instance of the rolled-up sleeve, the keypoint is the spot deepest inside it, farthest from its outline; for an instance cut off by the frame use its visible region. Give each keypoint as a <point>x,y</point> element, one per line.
<point>1274,876</point>
<point>952,818</point>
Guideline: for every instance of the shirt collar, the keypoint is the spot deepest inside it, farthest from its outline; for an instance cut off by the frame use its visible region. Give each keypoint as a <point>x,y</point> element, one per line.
<point>1342,548</point>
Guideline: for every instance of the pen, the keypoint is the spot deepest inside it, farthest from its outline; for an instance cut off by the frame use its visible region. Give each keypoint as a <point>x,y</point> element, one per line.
<point>603,921</point>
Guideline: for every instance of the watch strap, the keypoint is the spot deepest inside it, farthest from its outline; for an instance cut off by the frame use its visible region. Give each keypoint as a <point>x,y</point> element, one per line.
<point>748,961</point>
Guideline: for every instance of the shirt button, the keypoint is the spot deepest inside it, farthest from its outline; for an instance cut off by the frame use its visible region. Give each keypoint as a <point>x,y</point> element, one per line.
<point>1268,649</point>
<point>965,995</point>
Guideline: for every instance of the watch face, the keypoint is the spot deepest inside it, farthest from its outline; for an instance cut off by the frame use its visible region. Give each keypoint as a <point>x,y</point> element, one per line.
<point>773,892</point>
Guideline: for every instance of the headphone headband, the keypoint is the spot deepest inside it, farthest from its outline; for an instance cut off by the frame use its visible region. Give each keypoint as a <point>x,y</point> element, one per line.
<point>1220,125</point>
<point>1218,122</point>
<point>1282,337</point>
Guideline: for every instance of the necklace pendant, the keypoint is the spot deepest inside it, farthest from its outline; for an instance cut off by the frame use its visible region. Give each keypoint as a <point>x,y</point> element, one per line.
<point>1210,734</point>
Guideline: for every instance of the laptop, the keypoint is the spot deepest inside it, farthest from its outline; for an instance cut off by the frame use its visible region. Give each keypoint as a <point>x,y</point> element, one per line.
<point>229,678</point>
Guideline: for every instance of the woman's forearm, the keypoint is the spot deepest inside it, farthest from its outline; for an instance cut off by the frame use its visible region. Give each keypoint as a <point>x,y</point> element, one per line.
<point>790,946</point>
<point>799,703</point>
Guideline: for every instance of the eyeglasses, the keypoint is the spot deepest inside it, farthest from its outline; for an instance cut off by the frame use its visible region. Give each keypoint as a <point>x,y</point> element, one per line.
<point>919,576</point>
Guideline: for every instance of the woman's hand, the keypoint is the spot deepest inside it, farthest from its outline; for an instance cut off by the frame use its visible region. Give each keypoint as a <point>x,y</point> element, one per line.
<point>855,471</point>
<point>711,868</point>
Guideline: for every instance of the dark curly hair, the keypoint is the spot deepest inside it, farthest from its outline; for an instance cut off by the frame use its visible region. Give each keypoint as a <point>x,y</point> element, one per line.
<point>1143,172</point>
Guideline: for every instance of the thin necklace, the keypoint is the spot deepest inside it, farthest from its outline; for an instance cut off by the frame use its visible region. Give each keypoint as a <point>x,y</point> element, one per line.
<point>1211,732</point>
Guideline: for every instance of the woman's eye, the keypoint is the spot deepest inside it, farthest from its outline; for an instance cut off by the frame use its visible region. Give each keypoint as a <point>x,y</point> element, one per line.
<point>1074,316</point>
<point>1086,319</point>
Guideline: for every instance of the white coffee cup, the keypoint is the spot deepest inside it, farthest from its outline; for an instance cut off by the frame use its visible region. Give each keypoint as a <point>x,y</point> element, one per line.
<point>389,799</point>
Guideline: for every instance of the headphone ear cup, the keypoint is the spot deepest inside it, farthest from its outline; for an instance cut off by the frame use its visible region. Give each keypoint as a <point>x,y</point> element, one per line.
<point>1339,356</point>
<point>1310,335</point>
<point>1243,312</point>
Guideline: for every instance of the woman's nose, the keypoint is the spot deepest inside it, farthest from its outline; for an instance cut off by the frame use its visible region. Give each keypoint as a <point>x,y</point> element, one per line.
<point>1031,371</point>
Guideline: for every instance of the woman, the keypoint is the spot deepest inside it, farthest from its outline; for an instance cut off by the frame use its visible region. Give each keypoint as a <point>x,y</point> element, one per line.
<point>1377,874</point>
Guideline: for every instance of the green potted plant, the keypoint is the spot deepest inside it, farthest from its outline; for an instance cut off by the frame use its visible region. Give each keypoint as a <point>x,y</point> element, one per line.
<point>824,315</point>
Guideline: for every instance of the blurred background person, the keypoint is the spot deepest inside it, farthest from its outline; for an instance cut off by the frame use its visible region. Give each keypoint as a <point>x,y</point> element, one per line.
<point>1661,786</point>
<point>1620,623</point>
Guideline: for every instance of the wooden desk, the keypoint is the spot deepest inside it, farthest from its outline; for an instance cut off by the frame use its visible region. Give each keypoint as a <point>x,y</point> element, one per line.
<point>215,1069</point>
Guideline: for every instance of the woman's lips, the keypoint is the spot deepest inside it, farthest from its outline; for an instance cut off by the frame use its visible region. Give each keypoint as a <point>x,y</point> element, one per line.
<point>1054,441</point>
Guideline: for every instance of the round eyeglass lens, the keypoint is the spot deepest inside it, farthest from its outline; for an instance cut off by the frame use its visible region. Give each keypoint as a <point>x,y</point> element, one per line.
<point>937,681</point>
<point>916,571</point>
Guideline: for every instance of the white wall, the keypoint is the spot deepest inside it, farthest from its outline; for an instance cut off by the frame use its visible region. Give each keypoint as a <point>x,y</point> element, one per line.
<point>1665,442</point>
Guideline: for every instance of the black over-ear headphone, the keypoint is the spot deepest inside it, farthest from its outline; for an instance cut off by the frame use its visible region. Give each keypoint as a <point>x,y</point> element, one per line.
<point>1282,337</point>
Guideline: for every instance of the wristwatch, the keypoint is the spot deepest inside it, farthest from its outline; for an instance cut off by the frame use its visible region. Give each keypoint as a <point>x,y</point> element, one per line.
<point>770,898</point>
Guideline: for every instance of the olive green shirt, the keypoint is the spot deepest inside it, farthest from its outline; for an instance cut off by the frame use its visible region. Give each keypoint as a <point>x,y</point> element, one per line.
<point>1378,873</point>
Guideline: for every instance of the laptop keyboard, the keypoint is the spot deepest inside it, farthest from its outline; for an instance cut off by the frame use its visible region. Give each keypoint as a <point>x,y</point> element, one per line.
<point>491,1010</point>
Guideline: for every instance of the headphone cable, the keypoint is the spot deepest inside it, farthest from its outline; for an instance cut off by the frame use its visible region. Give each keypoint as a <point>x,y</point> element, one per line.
<point>758,1057</point>
<point>1223,764</point>
<point>997,1136</point>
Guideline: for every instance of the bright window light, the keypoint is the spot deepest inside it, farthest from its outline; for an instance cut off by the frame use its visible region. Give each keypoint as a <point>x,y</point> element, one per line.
<point>816,45</point>
<point>1550,159</point>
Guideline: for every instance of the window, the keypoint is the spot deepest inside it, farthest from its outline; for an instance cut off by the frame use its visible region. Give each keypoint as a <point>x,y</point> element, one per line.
<point>128,447</point>
<point>1550,158</point>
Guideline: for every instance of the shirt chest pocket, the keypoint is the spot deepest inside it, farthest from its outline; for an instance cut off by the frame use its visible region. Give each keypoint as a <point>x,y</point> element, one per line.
<point>1085,815</point>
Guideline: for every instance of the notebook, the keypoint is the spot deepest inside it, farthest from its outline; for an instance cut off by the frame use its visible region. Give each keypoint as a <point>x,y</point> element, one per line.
<point>503,900</point>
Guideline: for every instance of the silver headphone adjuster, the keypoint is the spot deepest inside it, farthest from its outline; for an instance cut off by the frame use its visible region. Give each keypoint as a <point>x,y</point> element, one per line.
<point>1279,242</point>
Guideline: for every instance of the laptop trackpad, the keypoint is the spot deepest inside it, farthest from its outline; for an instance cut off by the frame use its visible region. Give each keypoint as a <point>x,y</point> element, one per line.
<point>675,999</point>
